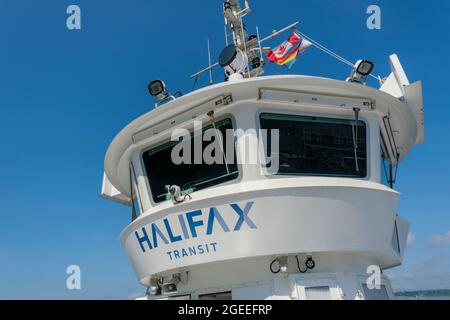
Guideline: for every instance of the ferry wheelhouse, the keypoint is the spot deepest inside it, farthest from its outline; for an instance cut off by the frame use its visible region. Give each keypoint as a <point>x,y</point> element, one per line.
<point>317,227</point>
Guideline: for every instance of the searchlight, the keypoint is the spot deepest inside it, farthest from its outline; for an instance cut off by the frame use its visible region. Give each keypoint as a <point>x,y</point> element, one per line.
<point>361,71</point>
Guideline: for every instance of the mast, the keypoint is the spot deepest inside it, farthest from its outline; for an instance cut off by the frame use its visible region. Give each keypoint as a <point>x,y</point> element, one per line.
<point>233,15</point>
<point>243,57</point>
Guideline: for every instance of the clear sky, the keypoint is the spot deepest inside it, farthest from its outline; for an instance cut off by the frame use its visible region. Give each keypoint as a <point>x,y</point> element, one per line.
<point>65,94</point>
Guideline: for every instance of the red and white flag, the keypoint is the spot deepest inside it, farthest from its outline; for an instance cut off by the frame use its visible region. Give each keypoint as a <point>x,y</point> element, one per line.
<point>280,51</point>
<point>287,52</point>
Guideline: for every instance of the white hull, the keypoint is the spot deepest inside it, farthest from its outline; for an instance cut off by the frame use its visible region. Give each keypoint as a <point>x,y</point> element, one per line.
<point>345,228</point>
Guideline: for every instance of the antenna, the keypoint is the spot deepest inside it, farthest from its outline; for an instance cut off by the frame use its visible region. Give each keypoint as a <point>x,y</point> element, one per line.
<point>233,14</point>
<point>226,34</point>
<point>209,63</point>
<point>243,56</point>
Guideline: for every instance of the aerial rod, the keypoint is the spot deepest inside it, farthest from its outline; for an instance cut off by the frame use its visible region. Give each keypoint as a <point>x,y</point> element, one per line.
<point>273,35</point>
<point>233,14</point>
<point>209,63</point>
<point>240,11</point>
<point>246,10</point>
<point>204,70</point>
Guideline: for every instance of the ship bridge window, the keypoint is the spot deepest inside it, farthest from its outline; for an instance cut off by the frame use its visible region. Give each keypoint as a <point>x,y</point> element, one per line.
<point>318,146</point>
<point>162,172</point>
<point>375,294</point>
<point>216,296</point>
<point>388,170</point>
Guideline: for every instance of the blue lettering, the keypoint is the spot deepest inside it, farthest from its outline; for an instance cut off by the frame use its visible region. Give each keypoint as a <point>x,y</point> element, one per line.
<point>155,231</point>
<point>214,214</point>
<point>189,225</point>
<point>194,224</point>
<point>243,216</point>
<point>183,226</point>
<point>143,239</point>
<point>205,248</point>
<point>170,233</point>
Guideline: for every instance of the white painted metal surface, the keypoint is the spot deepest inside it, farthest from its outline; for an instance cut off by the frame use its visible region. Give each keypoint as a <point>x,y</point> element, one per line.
<point>223,241</point>
<point>288,218</point>
<point>398,85</point>
<point>345,224</point>
<point>180,112</point>
<point>111,193</point>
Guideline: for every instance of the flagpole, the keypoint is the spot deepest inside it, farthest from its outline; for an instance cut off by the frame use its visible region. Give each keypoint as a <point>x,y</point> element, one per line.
<point>276,33</point>
<point>273,35</point>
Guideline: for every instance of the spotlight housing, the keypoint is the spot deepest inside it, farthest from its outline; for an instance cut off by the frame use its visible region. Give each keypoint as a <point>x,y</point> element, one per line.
<point>157,89</point>
<point>364,67</point>
<point>283,261</point>
<point>361,71</point>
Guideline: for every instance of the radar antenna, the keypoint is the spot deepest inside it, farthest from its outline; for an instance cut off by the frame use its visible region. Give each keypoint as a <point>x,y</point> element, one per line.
<point>243,57</point>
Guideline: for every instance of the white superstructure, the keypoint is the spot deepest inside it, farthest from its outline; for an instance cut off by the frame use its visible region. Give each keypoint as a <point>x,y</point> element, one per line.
<point>310,230</point>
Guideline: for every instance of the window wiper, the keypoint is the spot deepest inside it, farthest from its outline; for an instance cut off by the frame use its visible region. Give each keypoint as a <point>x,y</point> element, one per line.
<point>219,137</point>
<point>355,137</point>
<point>196,184</point>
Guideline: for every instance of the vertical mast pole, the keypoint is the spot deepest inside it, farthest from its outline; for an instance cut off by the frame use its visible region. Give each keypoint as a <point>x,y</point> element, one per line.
<point>226,35</point>
<point>209,64</point>
<point>259,44</point>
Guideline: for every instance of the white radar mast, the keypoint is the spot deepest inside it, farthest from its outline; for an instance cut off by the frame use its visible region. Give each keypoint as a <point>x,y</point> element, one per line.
<point>243,57</point>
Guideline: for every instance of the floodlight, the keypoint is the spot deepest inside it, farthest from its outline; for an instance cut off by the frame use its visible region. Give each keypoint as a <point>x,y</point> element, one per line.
<point>158,91</point>
<point>156,88</point>
<point>283,264</point>
<point>364,67</point>
<point>361,71</point>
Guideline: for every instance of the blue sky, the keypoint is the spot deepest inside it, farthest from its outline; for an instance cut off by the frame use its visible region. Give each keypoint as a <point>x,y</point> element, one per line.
<point>65,94</point>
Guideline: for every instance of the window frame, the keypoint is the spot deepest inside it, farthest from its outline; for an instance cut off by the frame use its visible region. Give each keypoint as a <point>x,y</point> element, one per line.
<point>134,185</point>
<point>384,282</point>
<point>314,281</point>
<point>162,142</point>
<point>171,297</point>
<point>285,112</point>
<point>230,292</point>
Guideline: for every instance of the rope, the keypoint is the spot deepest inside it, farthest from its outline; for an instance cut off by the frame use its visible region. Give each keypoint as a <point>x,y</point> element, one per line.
<point>330,52</point>
<point>195,82</point>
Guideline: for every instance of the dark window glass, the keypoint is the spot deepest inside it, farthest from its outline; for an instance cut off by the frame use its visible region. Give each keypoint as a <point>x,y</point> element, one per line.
<point>385,164</point>
<point>135,198</point>
<point>216,296</point>
<point>375,294</point>
<point>162,172</point>
<point>318,146</point>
